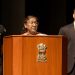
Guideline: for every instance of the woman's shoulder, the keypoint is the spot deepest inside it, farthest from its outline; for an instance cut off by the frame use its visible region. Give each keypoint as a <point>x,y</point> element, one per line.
<point>38,34</point>
<point>24,34</point>
<point>42,34</point>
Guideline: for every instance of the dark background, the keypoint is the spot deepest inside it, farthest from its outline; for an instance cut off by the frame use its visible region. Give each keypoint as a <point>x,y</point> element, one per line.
<point>52,14</point>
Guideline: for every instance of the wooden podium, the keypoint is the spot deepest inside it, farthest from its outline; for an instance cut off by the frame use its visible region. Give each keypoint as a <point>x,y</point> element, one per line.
<point>21,55</point>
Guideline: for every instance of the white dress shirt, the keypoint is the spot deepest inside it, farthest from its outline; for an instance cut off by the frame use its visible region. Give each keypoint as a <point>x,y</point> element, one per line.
<point>74,24</point>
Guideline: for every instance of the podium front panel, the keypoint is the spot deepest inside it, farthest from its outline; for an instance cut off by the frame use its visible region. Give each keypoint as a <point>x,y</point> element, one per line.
<point>35,55</point>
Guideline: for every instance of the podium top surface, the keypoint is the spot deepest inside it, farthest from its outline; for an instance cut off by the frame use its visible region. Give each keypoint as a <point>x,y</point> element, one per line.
<point>34,36</point>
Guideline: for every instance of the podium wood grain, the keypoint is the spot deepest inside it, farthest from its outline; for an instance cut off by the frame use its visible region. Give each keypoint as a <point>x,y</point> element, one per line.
<point>20,55</point>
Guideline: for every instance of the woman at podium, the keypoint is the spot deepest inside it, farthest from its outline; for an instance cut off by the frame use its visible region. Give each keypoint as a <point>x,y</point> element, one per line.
<point>31,25</point>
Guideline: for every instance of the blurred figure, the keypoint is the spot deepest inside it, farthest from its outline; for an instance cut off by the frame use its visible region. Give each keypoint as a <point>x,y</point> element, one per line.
<point>2,33</point>
<point>69,32</point>
<point>31,26</point>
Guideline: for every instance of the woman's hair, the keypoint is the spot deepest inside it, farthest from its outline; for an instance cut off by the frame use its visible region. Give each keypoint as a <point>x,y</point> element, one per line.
<point>29,17</point>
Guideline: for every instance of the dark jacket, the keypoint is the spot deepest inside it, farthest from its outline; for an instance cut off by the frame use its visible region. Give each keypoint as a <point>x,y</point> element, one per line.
<point>69,32</point>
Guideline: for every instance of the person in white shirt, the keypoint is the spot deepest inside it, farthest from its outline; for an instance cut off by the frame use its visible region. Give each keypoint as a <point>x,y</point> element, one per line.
<point>69,32</point>
<point>31,26</point>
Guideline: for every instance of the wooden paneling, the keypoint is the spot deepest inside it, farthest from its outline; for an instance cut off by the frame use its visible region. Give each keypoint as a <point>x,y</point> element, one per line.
<point>20,55</point>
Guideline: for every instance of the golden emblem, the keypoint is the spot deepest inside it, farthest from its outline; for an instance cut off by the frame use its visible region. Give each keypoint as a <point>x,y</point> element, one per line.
<point>41,57</point>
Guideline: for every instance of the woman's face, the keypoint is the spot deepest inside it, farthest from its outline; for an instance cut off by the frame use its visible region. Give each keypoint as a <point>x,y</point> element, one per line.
<point>31,25</point>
